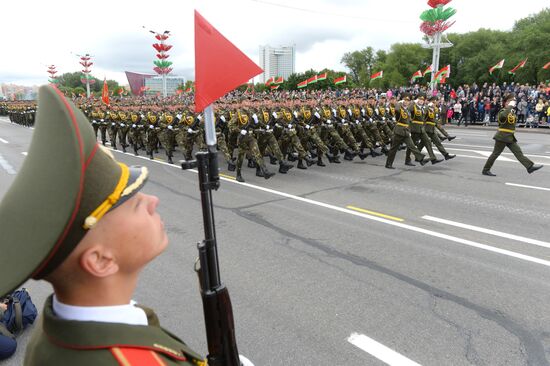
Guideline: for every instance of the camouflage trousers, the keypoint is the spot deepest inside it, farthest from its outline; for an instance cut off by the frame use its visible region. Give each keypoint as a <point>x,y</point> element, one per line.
<point>123,134</point>
<point>187,141</point>
<point>312,139</point>
<point>167,140</point>
<point>372,131</point>
<point>135,138</point>
<point>268,145</point>
<point>152,140</point>
<point>289,139</point>
<point>361,136</point>
<point>222,146</point>
<point>347,136</point>
<point>249,145</point>
<point>103,132</point>
<point>113,131</point>
<point>332,138</point>
<point>385,131</point>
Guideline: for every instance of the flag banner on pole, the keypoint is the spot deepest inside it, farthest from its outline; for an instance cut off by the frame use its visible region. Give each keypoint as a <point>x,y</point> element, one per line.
<point>499,65</point>
<point>519,66</point>
<point>428,70</point>
<point>340,80</point>
<point>444,73</point>
<point>322,76</point>
<point>416,75</point>
<point>378,75</point>
<point>547,66</point>
<point>214,57</point>
<point>279,80</point>
<point>303,84</point>
<point>312,80</point>
<point>275,87</point>
<point>105,92</point>
<point>269,81</point>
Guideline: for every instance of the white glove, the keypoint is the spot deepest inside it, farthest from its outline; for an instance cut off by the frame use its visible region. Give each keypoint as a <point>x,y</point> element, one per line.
<point>317,115</point>
<point>308,127</point>
<point>393,119</point>
<point>357,121</point>
<point>178,116</point>
<point>343,120</point>
<point>142,116</point>
<point>363,111</point>
<point>199,117</point>
<point>222,118</point>
<point>329,121</point>
<point>94,121</point>
<point>189,130</point>
<point>122,125</point>
<point>289,125</point>
<point>255,118</point>
<point>370,120</point>
<point>244,132</point>
<point>384,119</point>
<point>133,126</point>
<point>151,127</point>
<point>170,127</point>
<point>102,120</point>
<point>274,115</point>
<point>295,114</point>
<point>113,124</point>
<point>349,111</point>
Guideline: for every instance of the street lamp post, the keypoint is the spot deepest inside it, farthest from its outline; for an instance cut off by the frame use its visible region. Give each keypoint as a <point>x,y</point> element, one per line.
<point>162,65</point>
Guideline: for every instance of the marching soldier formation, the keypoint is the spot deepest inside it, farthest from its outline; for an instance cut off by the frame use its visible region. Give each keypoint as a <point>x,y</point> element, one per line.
<point>291,133</point>
<point>288,132</point>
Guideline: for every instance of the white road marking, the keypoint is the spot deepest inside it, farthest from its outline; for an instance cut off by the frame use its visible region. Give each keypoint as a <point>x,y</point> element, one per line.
<point>540,243</point>
<point>24,153</point>
<point>370,217</point>
<point>378,350</point>
<point>2,140</point>
<point>7,167</point>
<point>504,153</point>
<point>526,186</point>
<point>480,152</point>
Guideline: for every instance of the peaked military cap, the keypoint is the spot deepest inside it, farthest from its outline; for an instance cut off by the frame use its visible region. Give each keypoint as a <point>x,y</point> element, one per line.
<point>509,97</point>
<point>66,184</point>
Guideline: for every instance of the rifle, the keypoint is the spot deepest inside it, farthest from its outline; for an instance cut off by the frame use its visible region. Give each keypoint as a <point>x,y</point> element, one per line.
<point>218,313</point>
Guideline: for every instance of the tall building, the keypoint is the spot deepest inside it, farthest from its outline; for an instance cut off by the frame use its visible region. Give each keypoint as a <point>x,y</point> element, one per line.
<point>277,61</point>
<point>155,84</point>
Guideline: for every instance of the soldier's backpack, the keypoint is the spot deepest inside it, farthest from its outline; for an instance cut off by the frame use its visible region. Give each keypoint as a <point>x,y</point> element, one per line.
<point>20,313</point>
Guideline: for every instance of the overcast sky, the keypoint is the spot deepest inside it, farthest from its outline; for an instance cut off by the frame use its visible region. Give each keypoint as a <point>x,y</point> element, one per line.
<point>36,33</point>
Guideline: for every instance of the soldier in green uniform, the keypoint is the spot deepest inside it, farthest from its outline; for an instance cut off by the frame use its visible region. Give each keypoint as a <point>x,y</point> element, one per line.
<point>505,138</point>
<point>167,135</point>
<point>267,143</point>
<point>432,115</point>
<point>418,133</point>
<point>102,125</point>
<point>123,128</point>
<point>101,235</point>
<point>112,115</point>
<point>137,130</point>
<point>289,138</point>
<point>152,133</point>
<point>401,134</point>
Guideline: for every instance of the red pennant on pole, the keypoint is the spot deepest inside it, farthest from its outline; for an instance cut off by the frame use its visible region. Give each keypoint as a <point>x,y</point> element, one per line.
<point>105,93</point>
<point>219,66</point>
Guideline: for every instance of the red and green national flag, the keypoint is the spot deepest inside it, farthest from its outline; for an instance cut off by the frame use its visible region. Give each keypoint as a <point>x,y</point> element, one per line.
<point>416,75</point>
<point>269,81</point>
<point>340,80</point>
<point>442,74</point>
<point>547,66</point>
<point>499,65</point>
<point>519,66</point>
<point>303,84</point>
<point>275,87</point>
<point>322,76</point>
<point>312,80</point>
<point>378,75</point>
<point>279,80</point>
<point>428,70</point>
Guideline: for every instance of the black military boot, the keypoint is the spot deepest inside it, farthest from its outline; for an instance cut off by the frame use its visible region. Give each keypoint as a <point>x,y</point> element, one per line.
<point>534,168</point>
<point>124,148</point>
<point>239,176</point>
<point>259,172</point>
<point>373,153</point>
<point>103,142</point>
<point>135,150</point>
<point>170,161</point>
<point>320,161</point>
<point>451,138</point>
<point>283,169</point>
<point>151,155</point>
<point>251,163</point>
<point>435,161</point>
<point>488,173</point>
<point>231,165</point>
<point>409,163</point>
<point>301,164</point>
<point>362,155</point>
<point>310,161</point>
<point>449,156</point>
<point>291,157</point>
<point>113,145</point>
<point>266,173</point>
<point>336,159</point>
<point>272,160</point>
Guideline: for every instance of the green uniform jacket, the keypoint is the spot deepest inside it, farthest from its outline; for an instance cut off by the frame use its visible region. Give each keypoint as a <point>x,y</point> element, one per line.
<point>506,125</point>
<point>402,118</point>
<point>62,342</point>
<point>417,116</point>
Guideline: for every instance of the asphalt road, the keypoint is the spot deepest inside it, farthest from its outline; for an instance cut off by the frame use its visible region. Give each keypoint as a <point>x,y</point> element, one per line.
<point>354,264</point>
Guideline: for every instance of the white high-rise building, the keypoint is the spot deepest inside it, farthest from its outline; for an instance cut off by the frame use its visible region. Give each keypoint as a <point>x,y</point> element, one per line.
<point>277,61</point>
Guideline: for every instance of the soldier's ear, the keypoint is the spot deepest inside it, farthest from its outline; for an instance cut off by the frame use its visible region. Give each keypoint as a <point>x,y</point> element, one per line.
<point>98,261</point>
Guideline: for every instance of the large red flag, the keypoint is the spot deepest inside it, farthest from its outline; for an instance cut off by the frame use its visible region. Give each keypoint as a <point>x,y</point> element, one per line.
<point>219,66</point>
<point>105,93</point>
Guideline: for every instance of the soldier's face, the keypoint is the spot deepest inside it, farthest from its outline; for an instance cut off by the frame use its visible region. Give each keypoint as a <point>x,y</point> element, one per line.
<point>134,231</point>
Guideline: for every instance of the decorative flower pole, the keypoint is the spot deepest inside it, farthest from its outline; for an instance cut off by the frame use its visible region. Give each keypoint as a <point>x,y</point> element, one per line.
<point>435,21</point>
<point>162,65</point>
<point>86,78</point>
<point>52,71</point>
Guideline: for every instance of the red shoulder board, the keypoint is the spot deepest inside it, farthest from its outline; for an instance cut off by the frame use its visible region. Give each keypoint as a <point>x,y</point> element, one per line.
<point>136,357</point>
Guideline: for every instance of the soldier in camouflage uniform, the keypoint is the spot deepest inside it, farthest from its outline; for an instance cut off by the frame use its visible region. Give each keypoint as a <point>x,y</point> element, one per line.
<point>220,120</point>
<point>113,126</point>
<point>123,128</point>
<point>308,127</point>
<point>247,143</point>
<point>137,131</point>
<point>152,130</point>
<point>267,143</point>
<point>102,125</point>
<point>166,134</point>
<point>289,138</point>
